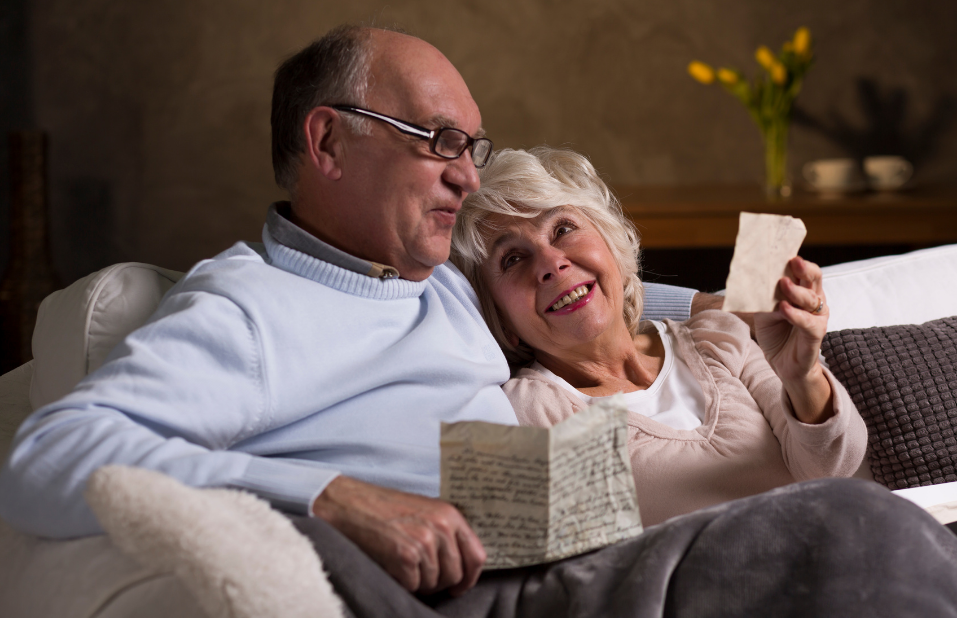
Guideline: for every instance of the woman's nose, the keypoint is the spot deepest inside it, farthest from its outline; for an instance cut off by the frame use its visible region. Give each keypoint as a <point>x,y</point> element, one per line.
<point>550,263</point>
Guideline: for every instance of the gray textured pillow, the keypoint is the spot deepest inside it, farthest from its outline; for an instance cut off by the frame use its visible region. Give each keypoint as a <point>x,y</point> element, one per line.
<point>903,380</point>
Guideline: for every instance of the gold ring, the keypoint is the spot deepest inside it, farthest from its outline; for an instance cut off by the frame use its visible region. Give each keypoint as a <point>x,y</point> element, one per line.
<point>820,307</point>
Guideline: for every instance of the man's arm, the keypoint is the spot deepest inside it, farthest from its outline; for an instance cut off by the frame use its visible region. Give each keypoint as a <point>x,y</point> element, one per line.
<point>667,301</point>
<point>703,301</point>
<point>677,303</point>
<point>174,396</point>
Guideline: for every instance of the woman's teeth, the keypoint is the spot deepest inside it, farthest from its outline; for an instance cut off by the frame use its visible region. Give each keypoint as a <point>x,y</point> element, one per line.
<point>570,297</point>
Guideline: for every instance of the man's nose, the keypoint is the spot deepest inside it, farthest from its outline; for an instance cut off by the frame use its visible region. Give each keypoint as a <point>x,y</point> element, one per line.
<point>549,263</point>
<point>461,172</point>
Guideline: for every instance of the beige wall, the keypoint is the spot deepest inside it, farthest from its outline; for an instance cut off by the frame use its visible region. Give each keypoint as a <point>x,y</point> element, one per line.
<point>158,111</point>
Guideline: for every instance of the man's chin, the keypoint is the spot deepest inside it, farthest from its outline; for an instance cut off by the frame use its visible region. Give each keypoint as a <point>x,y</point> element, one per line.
<point>420,267</point>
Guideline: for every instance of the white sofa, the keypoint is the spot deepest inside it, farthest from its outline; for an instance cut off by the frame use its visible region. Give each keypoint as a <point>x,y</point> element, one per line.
<point>165,565</point>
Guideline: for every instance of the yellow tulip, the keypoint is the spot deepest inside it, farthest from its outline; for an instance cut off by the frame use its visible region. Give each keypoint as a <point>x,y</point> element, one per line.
<point>778,73</point>
<point>802,41</point>
<point>727,76</point>
<point>701,72</point>
<point>764,57</point>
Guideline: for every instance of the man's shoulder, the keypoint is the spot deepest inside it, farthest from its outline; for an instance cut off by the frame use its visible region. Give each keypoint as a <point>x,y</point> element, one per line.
<point>243,254</point>
<point>242,275</point>
<point>447,277</point>
<point>242,266</point>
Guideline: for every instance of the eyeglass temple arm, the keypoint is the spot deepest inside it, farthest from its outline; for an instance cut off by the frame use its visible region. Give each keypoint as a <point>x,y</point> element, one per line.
<point>404,127</point>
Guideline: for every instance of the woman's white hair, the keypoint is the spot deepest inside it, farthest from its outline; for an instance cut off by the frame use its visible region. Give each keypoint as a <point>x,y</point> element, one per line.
<point>525,184</point>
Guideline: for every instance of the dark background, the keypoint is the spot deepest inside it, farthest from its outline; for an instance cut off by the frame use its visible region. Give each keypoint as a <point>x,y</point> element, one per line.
<point>157,112</point>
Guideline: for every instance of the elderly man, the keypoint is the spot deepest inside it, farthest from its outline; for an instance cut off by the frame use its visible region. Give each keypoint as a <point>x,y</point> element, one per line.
<point>314,370</point>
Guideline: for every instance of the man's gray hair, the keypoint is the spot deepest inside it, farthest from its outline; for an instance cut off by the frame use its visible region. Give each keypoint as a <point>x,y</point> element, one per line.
<point>333,70</point>
<point>526,184</point>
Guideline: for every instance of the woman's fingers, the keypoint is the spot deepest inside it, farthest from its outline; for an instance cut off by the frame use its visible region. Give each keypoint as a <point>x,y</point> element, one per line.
<point>803,298</point>
<point>804,289</point>
<point>806,274</point>
<point>799,318</point>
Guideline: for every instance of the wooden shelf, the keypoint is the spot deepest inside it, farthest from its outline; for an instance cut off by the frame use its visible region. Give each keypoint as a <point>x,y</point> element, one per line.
<point>671,217</point>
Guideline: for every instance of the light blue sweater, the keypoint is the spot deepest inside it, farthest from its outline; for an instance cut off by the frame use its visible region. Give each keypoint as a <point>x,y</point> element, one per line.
<point>269,370</point>
<point>271,373</point>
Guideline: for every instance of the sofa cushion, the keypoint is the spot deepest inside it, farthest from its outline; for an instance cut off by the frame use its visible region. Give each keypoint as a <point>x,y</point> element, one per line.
<point>83,578</point>
<point>900,289</point>
<point>79,325</point>
<point>903,380</point>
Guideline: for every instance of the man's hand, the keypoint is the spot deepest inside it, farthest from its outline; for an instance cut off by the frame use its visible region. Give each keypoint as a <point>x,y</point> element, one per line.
<point>424,543</point>
<point>702,302</point>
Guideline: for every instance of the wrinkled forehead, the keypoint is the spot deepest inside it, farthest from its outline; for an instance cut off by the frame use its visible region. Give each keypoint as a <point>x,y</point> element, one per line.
<point>413,80</point>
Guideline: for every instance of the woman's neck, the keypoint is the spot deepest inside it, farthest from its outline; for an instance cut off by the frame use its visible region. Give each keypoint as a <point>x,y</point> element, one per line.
<point>605,367</point>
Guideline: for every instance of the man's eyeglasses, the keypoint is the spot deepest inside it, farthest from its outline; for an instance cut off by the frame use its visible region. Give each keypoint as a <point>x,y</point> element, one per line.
<point>445,142</point>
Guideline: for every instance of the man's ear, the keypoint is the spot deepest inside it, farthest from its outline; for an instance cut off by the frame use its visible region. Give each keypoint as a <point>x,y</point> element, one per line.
<point>323,130</point>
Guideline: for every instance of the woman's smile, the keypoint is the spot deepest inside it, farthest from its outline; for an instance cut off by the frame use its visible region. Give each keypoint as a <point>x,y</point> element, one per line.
<point>553,279</point>
<point>573,299</point>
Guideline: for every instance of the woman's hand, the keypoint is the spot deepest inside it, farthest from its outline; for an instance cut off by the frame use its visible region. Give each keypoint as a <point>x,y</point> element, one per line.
<point>791,338</point>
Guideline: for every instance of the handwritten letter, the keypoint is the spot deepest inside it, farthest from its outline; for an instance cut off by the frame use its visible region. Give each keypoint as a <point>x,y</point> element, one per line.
<point>535,495</point>
<point>764,245</point>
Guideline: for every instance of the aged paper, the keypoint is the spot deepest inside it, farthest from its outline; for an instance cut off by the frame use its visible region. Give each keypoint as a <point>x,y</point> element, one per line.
<point>535,495</point>
<point>764,245</point>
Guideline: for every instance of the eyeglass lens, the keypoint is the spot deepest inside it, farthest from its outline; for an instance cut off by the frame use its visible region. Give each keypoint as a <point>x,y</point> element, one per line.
<point>453,142</point>
<point>481,149</point>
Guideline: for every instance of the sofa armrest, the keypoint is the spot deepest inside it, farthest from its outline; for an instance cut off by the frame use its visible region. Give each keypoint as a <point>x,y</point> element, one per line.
<point>78,326</point>
<point>14,403</point>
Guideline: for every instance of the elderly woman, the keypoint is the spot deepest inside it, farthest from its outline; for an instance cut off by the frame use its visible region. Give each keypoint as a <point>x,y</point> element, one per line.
<point>712,416</point>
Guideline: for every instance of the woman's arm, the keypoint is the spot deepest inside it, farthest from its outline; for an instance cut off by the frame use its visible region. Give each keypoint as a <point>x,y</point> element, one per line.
<point>833,448</point>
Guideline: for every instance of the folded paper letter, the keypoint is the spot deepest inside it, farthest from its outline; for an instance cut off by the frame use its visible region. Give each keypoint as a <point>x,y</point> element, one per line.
<point>764,245</point>
<point>535,495</point>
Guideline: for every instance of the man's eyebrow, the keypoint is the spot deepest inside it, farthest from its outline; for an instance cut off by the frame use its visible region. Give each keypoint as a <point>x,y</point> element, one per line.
<point>440,120</point>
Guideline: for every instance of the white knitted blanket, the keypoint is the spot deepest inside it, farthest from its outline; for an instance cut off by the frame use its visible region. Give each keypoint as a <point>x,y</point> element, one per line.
<point>237,556</point>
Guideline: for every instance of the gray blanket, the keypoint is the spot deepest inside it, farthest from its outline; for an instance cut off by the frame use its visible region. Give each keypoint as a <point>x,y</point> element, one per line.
<point>821,548</point>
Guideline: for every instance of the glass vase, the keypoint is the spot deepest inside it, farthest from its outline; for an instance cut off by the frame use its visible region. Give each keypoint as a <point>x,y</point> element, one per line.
<point>776,182</point>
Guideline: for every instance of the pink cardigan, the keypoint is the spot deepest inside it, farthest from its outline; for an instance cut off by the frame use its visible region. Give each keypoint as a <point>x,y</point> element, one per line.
<point>750,441</point>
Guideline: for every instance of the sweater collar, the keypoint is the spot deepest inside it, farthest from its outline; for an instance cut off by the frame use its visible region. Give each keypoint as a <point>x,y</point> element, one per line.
<point>287,233</point>
<point>292,249</point>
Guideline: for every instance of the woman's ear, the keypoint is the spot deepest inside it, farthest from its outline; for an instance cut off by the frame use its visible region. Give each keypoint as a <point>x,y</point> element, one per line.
<point>323,131</point>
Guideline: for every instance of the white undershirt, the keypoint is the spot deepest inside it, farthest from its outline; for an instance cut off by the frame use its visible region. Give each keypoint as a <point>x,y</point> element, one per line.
<point>674,399</point>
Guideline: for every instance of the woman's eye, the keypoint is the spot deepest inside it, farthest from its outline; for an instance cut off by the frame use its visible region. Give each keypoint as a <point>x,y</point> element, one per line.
<point>563,229</point>
<point>509,260</point>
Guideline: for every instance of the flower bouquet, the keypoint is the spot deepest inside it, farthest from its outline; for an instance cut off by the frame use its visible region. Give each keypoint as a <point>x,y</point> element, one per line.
<point>769,98</point>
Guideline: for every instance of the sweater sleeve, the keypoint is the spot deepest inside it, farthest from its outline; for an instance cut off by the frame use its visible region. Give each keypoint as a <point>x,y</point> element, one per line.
<point>128,413</point>
<point>667,301</point>
<point>834,448</point>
